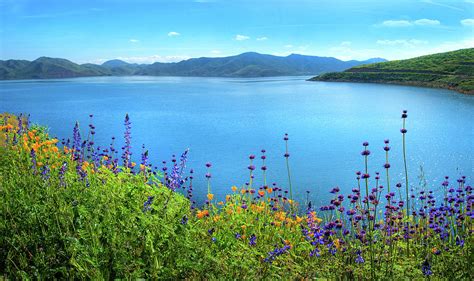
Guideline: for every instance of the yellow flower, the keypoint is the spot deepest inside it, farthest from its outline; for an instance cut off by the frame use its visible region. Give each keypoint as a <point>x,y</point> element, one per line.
<point>234,188</point>
<point>201,214</point>
<point>261,193</point>
<point>337,244</point>
<point>242,191</point>
<point>210,196</point>
<point>227,198</point>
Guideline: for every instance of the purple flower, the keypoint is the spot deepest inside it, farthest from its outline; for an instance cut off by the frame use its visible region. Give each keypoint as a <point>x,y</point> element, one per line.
<point>76,145</point>
<point>147,204</point>
<point>208,164</point>
<point>33,160</point>
<point>126,155</point>
<point>365,143</point>
<point>403,131</point>
<point>426,268</point>
<point>404,114</point>
<point>175,179</point>
<point>253,240</point>
<point>275,253</point>
<point>359,258</point>
<point>365,153</point>
<point>62,171</point>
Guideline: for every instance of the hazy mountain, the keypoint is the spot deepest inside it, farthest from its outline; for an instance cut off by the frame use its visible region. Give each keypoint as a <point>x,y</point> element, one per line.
<point>451,70</point>
<point>244,65</point>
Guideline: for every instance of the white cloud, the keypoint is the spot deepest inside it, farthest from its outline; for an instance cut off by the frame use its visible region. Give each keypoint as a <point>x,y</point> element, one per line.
<point>262,38</point>
<point>467,22</point>
<point>240,37</point>
<point>346,43</point>
<point>216,52</point>
<point>396,23</point>
<point>426,22</point>
<point>402,42</point>
<point>134,40</point>
<point>288,46</point>
<point>173,33</point>
<point>469,1</point>
<point>405,23</point>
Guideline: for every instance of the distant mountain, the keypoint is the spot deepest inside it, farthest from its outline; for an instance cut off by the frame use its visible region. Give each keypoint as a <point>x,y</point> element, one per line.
<point>249,65</point>
<point>244,65</point>
<point>451,70</point>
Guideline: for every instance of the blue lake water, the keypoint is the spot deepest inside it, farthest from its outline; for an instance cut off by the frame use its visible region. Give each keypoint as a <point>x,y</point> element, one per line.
<point>224,120</point>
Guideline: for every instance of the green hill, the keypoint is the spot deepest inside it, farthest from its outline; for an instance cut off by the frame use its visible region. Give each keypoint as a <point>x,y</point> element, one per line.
<point>243,65</point>
<point>451,70</point>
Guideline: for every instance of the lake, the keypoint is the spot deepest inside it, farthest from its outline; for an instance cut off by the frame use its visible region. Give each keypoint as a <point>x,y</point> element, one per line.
<point>224,120</point>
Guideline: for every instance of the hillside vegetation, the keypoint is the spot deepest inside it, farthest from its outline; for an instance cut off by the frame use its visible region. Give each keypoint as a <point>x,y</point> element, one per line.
<point>72,211</point>
<point>243,65</point>
<point>451,70</point>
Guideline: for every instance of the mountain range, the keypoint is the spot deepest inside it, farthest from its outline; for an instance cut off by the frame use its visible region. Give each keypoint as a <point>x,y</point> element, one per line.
<point>450,70</point>
<point>249,64</point>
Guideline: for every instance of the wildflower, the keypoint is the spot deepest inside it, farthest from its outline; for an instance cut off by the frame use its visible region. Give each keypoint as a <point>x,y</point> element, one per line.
<point>234,188</point>
<point>45,172</point>
<point>275,253</point>
<point>201,214</point>
<point>426,268</point>
<point>62,171</point>
<point>253,240</point>
<point>127,148</point>
<point>147,204</point>
<point>33,160</point>
<point>184,220</point>
<point>175,179</point>
<point>359,258</point>
<point>315,252</point>
<point>237,235</point>
<point>210,196</point>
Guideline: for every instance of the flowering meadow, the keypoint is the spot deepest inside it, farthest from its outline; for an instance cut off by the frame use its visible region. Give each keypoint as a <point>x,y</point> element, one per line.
<point>73,210</point>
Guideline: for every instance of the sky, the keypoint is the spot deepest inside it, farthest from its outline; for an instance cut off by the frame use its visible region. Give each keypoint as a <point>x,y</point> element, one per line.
<point>146,31</point>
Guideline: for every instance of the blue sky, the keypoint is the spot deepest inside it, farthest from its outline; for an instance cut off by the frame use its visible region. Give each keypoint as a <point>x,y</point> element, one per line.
<point>146,31</point>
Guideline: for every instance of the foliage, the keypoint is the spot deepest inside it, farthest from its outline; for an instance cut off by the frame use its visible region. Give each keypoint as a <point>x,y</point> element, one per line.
<point>450,70</point>
<point>74,212</point>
